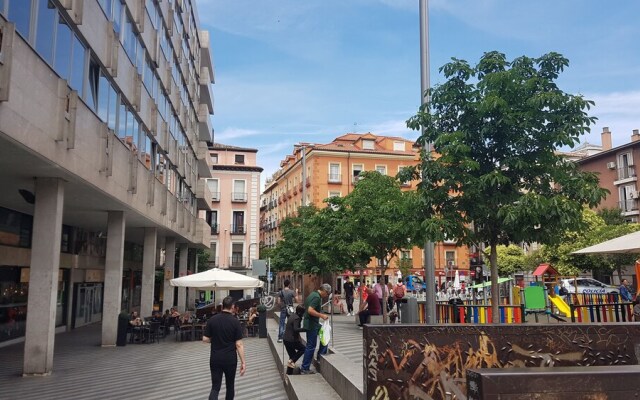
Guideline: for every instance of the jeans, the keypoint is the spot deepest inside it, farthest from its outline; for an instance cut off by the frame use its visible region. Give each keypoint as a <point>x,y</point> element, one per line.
<point>312,340</point>
<point>350,304</point>
<point>229,371</point>
<point>283,322</point>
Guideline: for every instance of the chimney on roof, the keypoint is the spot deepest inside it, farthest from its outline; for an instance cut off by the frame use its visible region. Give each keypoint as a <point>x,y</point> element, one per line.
<point>606,138</point>
<point>636,135</point>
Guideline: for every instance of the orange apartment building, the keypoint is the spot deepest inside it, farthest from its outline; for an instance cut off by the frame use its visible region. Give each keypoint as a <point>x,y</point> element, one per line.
<point>314,172</point>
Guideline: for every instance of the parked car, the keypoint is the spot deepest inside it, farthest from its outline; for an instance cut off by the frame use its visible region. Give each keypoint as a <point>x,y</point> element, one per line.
<point>588,286</point>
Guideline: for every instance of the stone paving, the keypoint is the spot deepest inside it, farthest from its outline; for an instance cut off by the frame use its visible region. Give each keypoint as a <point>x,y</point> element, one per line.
<point>165,370</point>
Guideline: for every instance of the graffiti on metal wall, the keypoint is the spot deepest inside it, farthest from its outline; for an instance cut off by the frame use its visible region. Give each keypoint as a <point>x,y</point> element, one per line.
<point>430,362</point>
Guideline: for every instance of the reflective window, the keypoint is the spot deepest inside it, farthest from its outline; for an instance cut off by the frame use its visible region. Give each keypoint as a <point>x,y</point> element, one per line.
<point>113,108</point>
<point>93,78</point>
<point>63,49</point>
<point>146,156</point>
<point>122,122</point>
<point>44,33</point>
<point>103,98</point>
<point>129,135</point>
<point>117,15</point>
<point>77,65</point>
<point>20,14</point>
<point>106,7</point>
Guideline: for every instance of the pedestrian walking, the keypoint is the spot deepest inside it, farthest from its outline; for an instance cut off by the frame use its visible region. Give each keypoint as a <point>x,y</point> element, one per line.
<point>224,332</point>
<point>292,339</point>
<point>286,299</point>
<point>348,292</point>
<point>399,292</point>
<point>311,324</point>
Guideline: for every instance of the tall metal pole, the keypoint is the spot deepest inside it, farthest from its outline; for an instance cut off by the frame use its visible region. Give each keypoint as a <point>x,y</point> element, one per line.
<point>429,267</point>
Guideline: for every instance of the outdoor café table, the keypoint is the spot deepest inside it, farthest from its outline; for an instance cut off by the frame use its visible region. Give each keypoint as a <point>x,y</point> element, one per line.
<point>140,333</point>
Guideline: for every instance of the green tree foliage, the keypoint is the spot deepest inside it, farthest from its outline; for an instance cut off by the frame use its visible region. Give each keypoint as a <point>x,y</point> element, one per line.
<point>494,176</point>
<point>378,215</point>
<point>611,216</point>
<point>594,232</point>
<point>511,258</point>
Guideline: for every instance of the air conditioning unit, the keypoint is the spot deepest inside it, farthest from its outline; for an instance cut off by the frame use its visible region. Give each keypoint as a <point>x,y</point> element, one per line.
<point>611,165</point>
<point>635,195</point>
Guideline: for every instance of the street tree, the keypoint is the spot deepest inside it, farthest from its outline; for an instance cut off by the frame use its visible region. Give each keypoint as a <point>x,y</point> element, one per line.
<point>511,259</point>
<point>493,176</point>
<point>596,231</point>
<point>378,215</point>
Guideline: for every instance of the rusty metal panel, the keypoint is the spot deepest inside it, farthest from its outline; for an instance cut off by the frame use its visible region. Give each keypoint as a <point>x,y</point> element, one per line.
<point>427,362</point>
<point>562,383</point>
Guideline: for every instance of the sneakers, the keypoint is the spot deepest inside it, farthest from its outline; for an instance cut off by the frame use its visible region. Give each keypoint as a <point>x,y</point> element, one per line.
<point>307,372</point>
<point>279,340</point>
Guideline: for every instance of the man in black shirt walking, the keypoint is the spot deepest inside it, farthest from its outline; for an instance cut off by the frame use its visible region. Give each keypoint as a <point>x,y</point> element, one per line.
<point>348,291</point>
<point>224,333</point>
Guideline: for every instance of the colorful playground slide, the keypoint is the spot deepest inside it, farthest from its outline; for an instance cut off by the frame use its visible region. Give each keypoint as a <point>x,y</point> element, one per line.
<point>561,305</point>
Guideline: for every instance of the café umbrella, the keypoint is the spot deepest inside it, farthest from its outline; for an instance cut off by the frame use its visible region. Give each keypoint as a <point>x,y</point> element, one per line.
<point>217,278</point>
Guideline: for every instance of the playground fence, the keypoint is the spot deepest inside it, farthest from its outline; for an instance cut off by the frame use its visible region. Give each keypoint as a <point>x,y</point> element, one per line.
<point>478,314</point>
<point>605,312</point>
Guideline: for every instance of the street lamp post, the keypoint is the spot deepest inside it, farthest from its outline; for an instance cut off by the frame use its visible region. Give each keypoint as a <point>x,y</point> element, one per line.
<point>429,268</point>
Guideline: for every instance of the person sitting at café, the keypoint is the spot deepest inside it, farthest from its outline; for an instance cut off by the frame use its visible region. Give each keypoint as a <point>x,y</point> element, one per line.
<point>135,320</point>
<point>174,312</point>
<point>186,318</point>
<point>253,315</point>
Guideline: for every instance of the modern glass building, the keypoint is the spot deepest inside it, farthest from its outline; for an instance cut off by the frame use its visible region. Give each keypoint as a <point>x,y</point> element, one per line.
<point>104,125</point>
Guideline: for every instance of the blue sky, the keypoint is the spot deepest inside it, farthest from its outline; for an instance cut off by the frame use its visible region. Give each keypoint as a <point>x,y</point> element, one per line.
<point>311,70</point>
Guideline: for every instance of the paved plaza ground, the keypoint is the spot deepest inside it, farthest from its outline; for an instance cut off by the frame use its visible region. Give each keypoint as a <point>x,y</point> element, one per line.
<point>166,370</point>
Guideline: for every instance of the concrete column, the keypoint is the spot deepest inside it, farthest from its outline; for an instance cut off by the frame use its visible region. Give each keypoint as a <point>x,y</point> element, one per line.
<point>148,271</point>
<point>43,277</point>
<point>113,277</point>
<point>169,268</point>
<point>182,291</point>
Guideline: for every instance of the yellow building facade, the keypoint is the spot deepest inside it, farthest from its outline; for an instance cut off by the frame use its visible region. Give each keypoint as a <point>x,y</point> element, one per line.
<point>315,172</point>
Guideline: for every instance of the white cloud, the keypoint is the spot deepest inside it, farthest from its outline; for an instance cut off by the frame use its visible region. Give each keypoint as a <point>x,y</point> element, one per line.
<point>233,133</point>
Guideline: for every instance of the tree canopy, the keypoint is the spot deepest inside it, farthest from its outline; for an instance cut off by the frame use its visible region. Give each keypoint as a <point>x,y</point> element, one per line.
<point>494,176</point>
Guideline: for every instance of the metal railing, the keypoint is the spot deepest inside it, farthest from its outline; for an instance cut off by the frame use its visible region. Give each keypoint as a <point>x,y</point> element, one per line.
<point>215,229</point>
<point>335,178</point>
<point>238,229</point>
<point>237,261</point>
<point>628,205</point>
<point>626,172</point>
<point>239,197</point>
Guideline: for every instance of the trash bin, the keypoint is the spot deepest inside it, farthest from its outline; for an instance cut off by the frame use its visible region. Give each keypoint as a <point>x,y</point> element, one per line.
<point>123,325</point>
<point>262,324</point>
<point>456,310</point>
<point>409,310</point>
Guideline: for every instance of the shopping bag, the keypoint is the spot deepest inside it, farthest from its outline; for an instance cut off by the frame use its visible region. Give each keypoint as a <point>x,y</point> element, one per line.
<point>325,332</point>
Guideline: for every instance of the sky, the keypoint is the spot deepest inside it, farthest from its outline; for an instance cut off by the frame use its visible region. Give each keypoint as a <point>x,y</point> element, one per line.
<point>289,71</point>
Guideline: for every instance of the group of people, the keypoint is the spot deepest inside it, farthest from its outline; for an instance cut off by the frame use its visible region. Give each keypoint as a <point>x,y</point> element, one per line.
<point>372,298</point>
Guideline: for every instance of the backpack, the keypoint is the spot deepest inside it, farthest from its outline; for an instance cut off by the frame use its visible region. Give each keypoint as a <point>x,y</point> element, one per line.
<point>398,291</point>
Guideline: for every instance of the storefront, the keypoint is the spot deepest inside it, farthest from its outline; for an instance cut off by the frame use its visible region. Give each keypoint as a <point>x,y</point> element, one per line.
<point>14,292</point>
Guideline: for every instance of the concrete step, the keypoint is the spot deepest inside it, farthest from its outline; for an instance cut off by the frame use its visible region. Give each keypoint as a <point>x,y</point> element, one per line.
<point>298,387</point>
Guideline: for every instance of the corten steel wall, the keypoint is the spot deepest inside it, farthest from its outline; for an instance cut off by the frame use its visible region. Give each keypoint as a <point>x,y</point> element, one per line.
<point>425,362</point>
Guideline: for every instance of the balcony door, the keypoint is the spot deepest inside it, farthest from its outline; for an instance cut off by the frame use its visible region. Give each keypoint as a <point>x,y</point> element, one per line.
<point>238,223</point>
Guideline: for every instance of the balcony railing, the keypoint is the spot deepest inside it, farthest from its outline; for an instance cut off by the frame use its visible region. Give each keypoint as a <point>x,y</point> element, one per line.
<point>238,229</point>
<point>237,261</point>
<point>628,205</point>
<point>215,229</point>
<point>239,197</point>
<point>215,196</point>
<point>213,262</point>
<point>335,178</point>
<point>626,172</point>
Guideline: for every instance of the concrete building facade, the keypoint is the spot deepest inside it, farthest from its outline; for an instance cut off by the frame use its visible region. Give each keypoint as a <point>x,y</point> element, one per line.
<point>314,172</point>
<point>104,124</point>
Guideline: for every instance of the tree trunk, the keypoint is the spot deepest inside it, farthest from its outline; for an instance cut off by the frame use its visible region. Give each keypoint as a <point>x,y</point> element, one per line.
<point>495,291</point>
<point>384,295</point>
